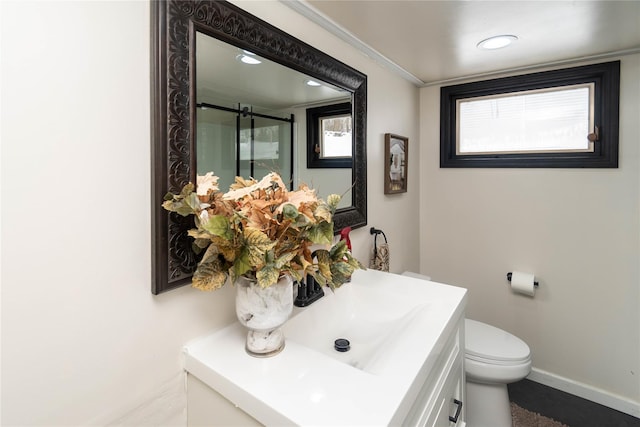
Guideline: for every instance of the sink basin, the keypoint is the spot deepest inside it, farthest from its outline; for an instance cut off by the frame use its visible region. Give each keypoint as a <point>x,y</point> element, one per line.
<point>372,316</point>
<point>397,327</point>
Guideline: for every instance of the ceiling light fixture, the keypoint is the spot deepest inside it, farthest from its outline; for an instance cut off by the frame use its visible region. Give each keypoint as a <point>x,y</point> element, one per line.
<point>248,59</point>
<point>497,42</point>
<point>313,83</point>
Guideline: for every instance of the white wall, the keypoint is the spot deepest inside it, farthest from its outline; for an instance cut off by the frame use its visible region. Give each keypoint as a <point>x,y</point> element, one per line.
<point>576,229</point>
<point>83,340</point>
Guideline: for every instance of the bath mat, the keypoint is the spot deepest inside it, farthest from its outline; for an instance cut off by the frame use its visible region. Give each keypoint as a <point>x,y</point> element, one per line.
<point>523,418</point>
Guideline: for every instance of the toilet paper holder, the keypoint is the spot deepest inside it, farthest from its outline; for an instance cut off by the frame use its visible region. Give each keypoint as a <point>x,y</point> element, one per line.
<point>509,274</point>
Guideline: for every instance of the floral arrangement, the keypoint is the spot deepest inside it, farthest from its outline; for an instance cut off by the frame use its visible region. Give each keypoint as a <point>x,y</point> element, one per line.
<point>260,230</point>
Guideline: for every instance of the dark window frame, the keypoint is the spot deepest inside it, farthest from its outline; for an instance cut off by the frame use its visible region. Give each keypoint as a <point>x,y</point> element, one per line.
<point>314,115</point>
<point>605,76</point>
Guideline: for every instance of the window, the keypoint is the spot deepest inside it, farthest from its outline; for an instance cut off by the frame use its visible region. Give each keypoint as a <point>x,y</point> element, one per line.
<point>562,118</point>
<point>335,137</point>
<point>329,136</point>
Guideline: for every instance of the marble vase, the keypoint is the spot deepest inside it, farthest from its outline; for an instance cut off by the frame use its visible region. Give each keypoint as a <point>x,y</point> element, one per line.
<point>263,311</point>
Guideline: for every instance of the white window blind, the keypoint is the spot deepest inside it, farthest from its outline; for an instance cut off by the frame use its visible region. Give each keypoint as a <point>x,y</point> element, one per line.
<point>556,119</point>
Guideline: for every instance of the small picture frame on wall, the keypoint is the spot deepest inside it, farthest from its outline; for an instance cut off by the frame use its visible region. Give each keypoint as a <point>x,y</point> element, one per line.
<point>396,156</point>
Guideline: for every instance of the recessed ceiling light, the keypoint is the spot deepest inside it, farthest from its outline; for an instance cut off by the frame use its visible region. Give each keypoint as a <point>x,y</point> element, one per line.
<point>248,59</point>
<point>313,83</point>
<point>497,42</point>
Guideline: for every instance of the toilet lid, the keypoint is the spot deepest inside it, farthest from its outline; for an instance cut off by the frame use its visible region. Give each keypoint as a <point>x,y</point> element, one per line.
<point>488,342</point>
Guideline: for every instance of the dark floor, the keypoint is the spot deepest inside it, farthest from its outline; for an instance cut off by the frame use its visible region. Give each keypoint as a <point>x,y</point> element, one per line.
<point>567,408</point>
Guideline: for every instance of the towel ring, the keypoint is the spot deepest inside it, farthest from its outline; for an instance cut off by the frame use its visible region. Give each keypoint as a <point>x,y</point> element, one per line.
<point>376,232</point>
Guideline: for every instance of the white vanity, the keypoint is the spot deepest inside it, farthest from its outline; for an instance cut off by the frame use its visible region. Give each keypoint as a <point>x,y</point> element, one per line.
<point>404,366</point>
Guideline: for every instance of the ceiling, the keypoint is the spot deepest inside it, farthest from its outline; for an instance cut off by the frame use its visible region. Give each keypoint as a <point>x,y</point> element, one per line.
<point>223,80</point>
<point>434,42</point>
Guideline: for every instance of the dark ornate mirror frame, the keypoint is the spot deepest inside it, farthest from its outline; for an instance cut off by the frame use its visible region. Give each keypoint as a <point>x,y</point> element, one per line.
<point>173,27</point>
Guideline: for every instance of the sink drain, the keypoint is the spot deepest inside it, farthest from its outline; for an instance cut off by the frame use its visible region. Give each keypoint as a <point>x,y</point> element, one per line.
<point>342,345</point>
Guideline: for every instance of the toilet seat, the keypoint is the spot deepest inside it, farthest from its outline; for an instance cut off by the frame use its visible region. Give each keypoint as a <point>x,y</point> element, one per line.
<point>494,356</point>
<point>488,344</point>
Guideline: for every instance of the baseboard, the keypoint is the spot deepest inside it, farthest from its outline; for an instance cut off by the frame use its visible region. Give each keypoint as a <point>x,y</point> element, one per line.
<point>585,391</point>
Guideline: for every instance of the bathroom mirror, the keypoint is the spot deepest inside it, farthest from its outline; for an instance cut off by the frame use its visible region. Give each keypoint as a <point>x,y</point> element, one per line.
<point>175,25</point>
<point>251,117</point>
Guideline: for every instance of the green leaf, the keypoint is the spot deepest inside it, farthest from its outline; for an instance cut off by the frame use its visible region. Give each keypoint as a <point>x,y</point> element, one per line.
<point>353,262</point>
<point>241,264</point>
<point>301,221</point>
<point>339,250</point>
<point>324,263</point>
<point>267,276</point>
<point>187,189</point>
<point>295,275</point>
<point>193,202</point>
<point>256,244</point>
<point>320,279</point>
<point>340,273</point>
<point>209,275</point>
<point>218,225</point>
<point>289,211</point>
<point>178,207</point>
<point>272,270</point>
<point>321,233</point>
<point>269,257</point>
<point>284,259</point>
<point>197,246</point>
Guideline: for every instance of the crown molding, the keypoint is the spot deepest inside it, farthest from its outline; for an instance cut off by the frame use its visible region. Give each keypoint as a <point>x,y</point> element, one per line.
<point>313,14</point>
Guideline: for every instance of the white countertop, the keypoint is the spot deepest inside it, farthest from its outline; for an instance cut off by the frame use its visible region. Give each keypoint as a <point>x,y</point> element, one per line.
<point>302,386</point>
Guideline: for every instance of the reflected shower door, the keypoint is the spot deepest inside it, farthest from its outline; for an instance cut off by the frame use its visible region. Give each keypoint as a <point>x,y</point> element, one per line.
<point>238,142</point>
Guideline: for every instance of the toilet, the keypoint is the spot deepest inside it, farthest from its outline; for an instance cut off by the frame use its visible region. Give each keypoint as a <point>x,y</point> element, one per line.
<point>493,359</point>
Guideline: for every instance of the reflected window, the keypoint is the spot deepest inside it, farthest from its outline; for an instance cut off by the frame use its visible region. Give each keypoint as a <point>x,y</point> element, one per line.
<point>335,137</point>
<point>329,136</point>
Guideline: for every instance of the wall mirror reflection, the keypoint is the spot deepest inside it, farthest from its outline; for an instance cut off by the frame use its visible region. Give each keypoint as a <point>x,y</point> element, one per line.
<point>250,111</point>
<point>229,96</point>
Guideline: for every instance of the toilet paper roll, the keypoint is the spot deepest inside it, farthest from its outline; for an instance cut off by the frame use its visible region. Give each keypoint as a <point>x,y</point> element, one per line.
<point>523,283</point>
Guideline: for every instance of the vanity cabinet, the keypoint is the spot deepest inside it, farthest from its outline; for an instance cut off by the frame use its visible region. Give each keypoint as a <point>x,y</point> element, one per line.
<point>441,400</point>
<point>412,376</point>
<point>207,407</point>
